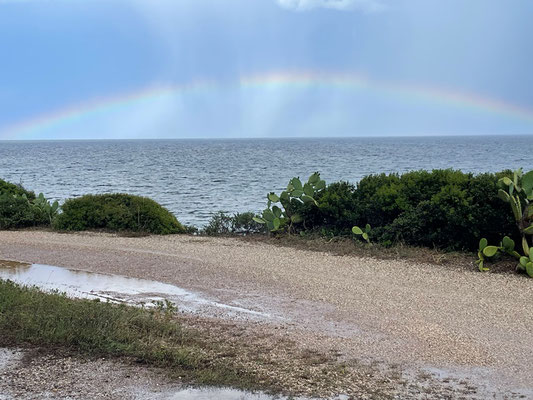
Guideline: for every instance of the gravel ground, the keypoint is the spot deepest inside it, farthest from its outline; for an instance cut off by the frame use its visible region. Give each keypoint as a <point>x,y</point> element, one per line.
<point>32,374</point>
<point>461,327</point>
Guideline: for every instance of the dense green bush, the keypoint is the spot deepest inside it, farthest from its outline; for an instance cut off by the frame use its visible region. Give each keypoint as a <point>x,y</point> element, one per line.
<point>17,209</point>
<point>117,212</point>
<point>17,212</point>
<point>441,208</point>
<point>18,190</point>
<point>336,211</point>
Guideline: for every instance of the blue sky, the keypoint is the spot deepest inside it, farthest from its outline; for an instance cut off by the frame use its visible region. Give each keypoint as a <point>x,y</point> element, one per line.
<point>59,55</point>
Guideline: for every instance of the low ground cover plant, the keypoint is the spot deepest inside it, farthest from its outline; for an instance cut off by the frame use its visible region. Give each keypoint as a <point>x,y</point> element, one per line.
<point>31,317</point>
<point>117,212</point>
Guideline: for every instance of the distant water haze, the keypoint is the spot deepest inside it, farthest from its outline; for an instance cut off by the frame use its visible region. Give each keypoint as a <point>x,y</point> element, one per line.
<point>196,178</point>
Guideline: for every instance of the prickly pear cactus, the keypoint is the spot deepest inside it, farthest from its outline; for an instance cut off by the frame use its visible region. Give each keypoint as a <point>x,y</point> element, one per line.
<point>44,206</point>
<point>518,192</point>
<point>363,233</point>
<point>483,244</point>
<point>276,218</point>
<point>526,263</point>
<point>507,245</point>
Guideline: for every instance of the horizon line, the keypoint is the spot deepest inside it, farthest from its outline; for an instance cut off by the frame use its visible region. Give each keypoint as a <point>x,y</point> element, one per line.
<point>274,137</point>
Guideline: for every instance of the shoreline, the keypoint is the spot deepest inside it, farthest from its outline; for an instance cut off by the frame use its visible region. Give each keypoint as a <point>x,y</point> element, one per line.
<point>456,323</point>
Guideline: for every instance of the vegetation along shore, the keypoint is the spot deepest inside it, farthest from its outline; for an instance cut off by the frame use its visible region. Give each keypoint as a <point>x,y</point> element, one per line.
<point>448,210</point>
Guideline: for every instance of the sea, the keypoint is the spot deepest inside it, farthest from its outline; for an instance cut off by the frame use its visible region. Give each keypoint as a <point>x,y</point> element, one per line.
<point>195,178</point>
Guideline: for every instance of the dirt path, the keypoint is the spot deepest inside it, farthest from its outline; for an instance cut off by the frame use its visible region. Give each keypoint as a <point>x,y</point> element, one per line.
<point>462,327</point>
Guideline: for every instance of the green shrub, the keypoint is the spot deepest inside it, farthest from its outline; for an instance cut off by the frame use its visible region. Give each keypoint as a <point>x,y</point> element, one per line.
<point>219,224</point>
<point>375,200</point>
<point>240,223</point>
<point>441,208</point>
<point>382,198</point>
<point>487,210</point>
<point>16,212</point>
<point>244,223</point>
<point>336,211</point>
<point>117,212</point>
<point>19,208</point>
<point>441,223</point>
<point>18,190</point>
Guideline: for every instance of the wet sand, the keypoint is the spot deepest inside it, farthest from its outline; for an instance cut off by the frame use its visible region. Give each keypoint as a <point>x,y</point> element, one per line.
<point>455,325</point>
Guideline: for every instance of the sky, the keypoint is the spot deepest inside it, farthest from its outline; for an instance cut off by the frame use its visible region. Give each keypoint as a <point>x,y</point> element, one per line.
<point>114,69</point>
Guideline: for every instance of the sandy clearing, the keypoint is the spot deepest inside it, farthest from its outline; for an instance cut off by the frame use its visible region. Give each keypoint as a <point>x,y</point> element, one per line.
<point>455,322</point>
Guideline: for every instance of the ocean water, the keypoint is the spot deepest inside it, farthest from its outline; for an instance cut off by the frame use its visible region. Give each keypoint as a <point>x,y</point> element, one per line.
<point>195,178</point>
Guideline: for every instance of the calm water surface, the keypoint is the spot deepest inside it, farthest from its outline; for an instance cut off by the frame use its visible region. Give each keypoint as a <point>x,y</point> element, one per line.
<point>195,178</point>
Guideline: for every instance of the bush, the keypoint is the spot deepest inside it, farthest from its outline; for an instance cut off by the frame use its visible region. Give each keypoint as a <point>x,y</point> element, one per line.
<point>382,198</point>
<point>445,221</point>
<point>442,208</point>
<point>12,189</point>
<point>17,212</point>
<point>17,207</point>
<point>244,223</point>
<point>219,224</point>
<point>240,223</point>
<point>117,213</point>
<point>336,211</point>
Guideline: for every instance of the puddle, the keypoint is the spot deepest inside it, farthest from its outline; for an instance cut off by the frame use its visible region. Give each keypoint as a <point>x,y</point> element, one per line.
<point>231,394</point>
<point>483,379</point>
<point>220,394</point>
<point>116,288</point>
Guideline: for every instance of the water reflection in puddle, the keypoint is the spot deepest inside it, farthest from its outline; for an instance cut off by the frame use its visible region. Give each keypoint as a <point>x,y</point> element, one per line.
<point>115,288</point>
<point>231,394</point>
<point>220,394</point>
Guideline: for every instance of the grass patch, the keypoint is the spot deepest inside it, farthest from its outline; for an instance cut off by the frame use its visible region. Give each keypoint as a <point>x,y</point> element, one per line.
<point>51,320</point>
<point>198,351</point>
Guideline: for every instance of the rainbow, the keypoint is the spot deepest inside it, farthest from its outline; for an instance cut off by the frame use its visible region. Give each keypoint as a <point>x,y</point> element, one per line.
<point>284,80</point>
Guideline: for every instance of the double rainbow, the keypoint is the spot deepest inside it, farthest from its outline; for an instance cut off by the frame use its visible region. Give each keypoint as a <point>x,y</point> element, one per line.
<point>286,80</point>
